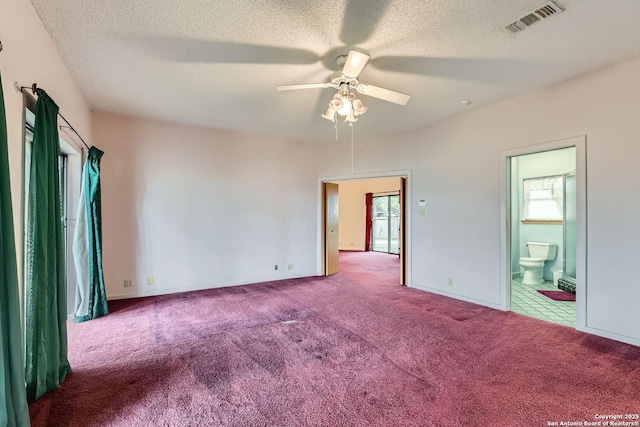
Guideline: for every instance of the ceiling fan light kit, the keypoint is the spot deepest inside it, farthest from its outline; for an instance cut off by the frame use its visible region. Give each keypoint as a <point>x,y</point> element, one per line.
<point>359,107</point>
<point>345,103</point>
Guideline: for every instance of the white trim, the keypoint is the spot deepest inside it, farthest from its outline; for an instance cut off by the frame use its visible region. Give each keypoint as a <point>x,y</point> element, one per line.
<point>69,148</point>
<point>611,335</point>
<point>371,175</point>
<point>68,145</point>
<point>386,193</point>
<point>451,295</point>
<point>149,291</point>
<point>580,143</point>
<point>74,179</point>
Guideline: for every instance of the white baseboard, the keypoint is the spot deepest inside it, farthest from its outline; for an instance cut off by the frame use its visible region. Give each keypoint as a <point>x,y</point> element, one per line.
<point>150,291</point>
<point>611,335</point>
<point>457,296</point>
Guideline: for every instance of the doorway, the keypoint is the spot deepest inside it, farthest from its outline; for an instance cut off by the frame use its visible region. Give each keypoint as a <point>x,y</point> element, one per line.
<point>353,222</point>
<point>542,252</point>
<point>543,231</point>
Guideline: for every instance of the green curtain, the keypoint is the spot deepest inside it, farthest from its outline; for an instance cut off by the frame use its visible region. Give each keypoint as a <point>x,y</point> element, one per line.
<point>91,297</point>
<point>46,338</point>
<point>13,397</point>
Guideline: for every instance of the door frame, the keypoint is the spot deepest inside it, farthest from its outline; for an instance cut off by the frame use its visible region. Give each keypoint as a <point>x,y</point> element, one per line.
<point>359,176</point>
<point>580,144</point>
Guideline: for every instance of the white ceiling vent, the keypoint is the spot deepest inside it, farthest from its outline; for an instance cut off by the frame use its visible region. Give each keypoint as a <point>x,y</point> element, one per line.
<point>545,11</point>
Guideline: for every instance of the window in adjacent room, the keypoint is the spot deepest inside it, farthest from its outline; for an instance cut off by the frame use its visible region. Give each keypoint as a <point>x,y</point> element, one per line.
<point>386,223</point>
<point>543,202</point>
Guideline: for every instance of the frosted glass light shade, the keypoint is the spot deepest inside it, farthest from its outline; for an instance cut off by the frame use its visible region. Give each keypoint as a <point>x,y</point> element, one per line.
<point>336,105</point>
<point>359,107</point>
<point>330,114</point>
<point>346,107</point>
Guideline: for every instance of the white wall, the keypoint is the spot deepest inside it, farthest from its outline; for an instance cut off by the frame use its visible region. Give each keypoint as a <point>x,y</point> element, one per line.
<point>30,56</point>
<point>455,166</point>
<point>353,208</point>
<point>549,163</point>
<point>162,186</point>
<point>198,208</point>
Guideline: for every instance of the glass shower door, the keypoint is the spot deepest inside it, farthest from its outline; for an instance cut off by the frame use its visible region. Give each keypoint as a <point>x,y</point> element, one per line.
<point>570,228</point>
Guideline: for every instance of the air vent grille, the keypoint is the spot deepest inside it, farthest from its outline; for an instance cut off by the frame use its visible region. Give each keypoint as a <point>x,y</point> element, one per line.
<point>548,10</point>
<point>545,11</point>
<point>529,20</point>
<point>516,27</point>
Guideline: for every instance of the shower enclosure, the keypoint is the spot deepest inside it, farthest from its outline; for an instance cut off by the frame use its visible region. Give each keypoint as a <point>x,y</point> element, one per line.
<point>568,281</point>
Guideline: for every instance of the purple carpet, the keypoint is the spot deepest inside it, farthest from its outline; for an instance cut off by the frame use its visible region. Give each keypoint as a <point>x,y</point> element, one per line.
<point>353,349</point>
<point>558,295</point>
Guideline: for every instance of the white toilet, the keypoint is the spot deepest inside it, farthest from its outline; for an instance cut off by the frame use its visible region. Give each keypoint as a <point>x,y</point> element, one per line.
<point>534,264</point>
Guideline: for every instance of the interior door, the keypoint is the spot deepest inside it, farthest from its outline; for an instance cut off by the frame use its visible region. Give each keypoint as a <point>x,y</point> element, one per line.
<point>331,236</point>
<point>403,206</point>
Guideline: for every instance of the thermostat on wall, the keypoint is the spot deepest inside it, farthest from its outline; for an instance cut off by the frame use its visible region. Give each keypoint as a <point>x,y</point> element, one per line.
<point>422,203</point>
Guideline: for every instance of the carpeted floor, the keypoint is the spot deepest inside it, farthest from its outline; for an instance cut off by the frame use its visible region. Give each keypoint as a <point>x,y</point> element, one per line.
<point>354,349</point>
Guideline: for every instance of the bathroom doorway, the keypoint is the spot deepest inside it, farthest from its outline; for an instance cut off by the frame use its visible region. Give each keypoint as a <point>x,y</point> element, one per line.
<point>543,214</point>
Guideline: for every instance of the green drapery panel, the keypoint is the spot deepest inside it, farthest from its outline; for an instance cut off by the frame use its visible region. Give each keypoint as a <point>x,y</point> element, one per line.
<point>46,338</point>
<point>91,297</point>
<point>13,398</point>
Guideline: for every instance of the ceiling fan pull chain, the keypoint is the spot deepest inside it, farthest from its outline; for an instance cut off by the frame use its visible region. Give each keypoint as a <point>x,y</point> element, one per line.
<point>351,124</point>
<point>335,125</point>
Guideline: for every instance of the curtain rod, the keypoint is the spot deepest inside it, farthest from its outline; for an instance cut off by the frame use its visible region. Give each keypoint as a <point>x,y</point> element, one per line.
<point>35,89</point>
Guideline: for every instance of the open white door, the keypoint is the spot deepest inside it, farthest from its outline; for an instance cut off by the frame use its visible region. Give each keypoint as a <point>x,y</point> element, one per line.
<point>331,236</point>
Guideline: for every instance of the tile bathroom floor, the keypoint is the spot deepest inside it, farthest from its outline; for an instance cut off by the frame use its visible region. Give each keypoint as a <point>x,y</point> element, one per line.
<point>525,299</point>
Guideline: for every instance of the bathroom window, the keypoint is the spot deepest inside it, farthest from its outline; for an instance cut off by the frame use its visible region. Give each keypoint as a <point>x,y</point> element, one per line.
<point>542,200</point>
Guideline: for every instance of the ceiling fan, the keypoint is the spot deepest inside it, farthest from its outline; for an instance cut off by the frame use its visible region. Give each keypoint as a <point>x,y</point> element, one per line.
<point>345,103</point>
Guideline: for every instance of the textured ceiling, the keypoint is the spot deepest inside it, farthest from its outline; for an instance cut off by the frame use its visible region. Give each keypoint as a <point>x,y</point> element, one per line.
<point>217,63</point>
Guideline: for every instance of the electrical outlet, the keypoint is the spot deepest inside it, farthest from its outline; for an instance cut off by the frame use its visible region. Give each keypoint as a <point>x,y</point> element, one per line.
<point>290,267</point>
<point>276,267</point>
<point>150,280</point>
<point>450,281</point>
<point>128,283</point>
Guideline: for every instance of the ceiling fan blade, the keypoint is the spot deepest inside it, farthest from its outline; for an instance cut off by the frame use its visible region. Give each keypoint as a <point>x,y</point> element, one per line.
<point>473,69</point>
<point>306,86</point>
<point>385,94</point>
<point>178,49</point>
<point>360,19</point>
<point>355,63</point>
